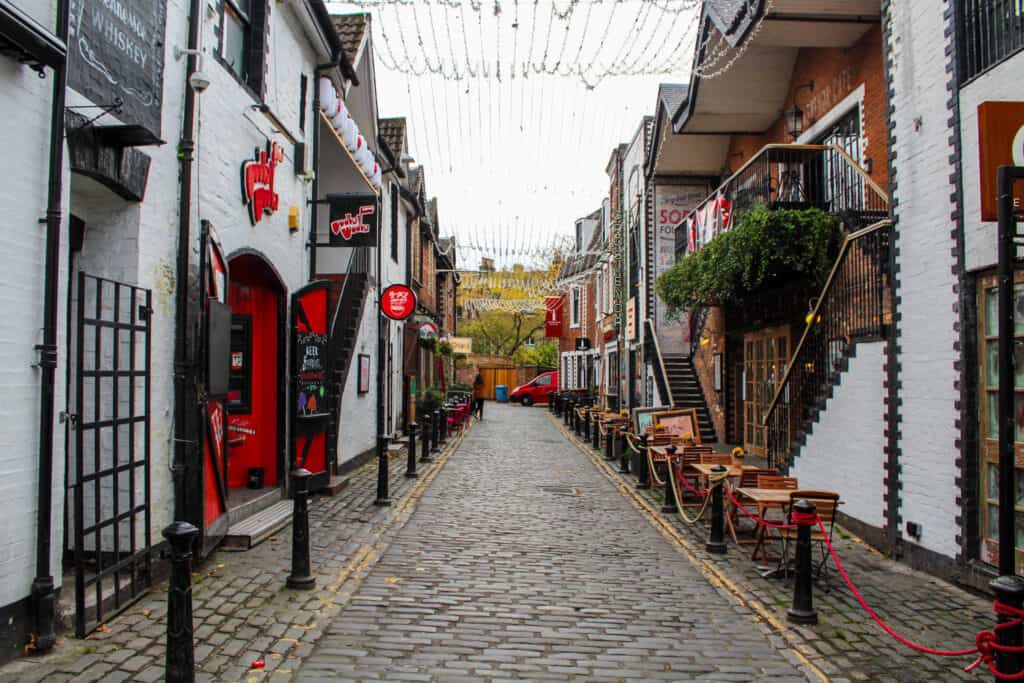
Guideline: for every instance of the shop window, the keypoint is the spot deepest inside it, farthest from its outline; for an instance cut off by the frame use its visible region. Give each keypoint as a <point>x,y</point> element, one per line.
<point>844,187</point>
<point>574,307</point>
<point>242,39</point>
<point>240,375</point>
<point>989,389</point>
<point>394,222</point>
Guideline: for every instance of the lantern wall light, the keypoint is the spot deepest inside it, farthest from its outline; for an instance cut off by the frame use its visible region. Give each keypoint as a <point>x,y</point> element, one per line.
<point>795,115</point>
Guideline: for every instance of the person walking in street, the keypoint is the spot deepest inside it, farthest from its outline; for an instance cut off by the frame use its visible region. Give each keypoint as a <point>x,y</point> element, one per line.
<point>478,396</point>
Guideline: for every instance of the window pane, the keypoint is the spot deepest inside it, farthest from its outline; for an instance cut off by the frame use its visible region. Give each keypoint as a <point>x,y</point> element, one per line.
<point>1019,481</point>
<point>244,5</point>
<point>992,410</point>
<point>993,521</point>
<point>992,363</point>
<point>993,482</point>
<point>233,42</point>
<point>991,313</point>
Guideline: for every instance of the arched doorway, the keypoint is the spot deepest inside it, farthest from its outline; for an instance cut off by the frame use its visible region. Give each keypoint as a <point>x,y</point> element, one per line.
<point>254,404</point>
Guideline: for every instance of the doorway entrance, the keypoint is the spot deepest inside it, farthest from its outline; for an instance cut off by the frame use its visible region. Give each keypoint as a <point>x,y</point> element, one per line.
<point>255,413</point>
<point>765,354</point>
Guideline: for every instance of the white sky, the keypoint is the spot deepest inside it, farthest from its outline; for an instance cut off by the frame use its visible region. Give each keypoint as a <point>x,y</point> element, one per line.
<point>513,162</point>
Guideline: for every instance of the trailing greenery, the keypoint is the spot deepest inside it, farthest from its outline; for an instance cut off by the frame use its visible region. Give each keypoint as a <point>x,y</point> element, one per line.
<point>428,401</point>
<point>765,247</point>
<point>428,343</point>
<point>445,349</point>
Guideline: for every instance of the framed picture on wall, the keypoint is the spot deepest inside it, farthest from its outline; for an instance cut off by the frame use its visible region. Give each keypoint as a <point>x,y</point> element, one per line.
<point>644,417</point>
<point>364,373</point>
<point>679,423</point>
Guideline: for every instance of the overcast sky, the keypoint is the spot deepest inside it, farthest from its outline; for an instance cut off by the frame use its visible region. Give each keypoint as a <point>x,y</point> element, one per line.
<point>514,158</point>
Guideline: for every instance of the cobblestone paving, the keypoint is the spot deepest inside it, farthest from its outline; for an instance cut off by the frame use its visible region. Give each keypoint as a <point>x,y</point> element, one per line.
<point>846,644</point>
<point>523,562</point>
<point>242,610</point>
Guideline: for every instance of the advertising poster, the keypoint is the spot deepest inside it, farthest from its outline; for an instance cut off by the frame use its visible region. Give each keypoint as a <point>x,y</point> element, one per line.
<point>672,203</point>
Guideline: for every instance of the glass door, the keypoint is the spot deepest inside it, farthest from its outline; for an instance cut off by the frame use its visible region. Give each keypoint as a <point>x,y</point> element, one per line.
<point>765,354</point>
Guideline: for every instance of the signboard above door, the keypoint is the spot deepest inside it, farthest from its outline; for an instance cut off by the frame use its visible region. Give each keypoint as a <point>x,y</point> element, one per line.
<point>116,52</point>
<point>1001,143</point>
<point>354,220</point>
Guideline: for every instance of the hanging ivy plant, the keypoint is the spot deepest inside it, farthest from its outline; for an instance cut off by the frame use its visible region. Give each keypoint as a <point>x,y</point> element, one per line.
<point>428,343</point>
<point>445,349</point>
<point>765,247</point>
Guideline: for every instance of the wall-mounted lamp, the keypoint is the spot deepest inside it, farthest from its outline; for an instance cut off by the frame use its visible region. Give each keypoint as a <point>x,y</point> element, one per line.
<point>795,115</point>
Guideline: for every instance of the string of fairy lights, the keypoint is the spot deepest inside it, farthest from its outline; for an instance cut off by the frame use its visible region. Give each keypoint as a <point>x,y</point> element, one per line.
<point>513,108</point>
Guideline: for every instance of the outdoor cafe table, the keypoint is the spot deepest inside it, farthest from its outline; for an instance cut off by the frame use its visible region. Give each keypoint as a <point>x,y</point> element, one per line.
<point>764,500</point>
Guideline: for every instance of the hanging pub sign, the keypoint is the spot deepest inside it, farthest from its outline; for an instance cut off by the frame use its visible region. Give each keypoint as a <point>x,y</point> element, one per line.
<point>354,220</point>
<point>258,191</point>
<point>1001,143</point>
<point>428,330</point>
<point>553,316</point>
<point>582,344</point>
<point>397,302</point>
<point>116,54</point>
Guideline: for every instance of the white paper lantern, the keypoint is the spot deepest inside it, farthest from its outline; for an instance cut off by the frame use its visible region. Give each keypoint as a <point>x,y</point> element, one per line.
<point>360,143</point>
<point>365,159</point>
<point>328,97</point>
<point>339,120</point>
<point>349,133</point>
<point>376,177</point>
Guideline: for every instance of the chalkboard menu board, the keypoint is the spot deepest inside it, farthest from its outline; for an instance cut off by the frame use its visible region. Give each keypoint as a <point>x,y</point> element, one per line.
<point>116,50</point>
<point>311,374</point>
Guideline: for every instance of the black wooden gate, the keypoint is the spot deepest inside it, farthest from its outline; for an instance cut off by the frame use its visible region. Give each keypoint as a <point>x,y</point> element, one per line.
<point>108,465</point>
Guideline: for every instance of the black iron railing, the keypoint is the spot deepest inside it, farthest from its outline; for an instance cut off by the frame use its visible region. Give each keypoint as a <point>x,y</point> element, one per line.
<point>853,306</point>
<point>785,177</point>
<point>660,374</point>
<point>989,31</point>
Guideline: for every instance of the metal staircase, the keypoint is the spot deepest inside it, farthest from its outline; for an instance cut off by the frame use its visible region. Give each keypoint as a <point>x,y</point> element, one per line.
<point>687,393</point>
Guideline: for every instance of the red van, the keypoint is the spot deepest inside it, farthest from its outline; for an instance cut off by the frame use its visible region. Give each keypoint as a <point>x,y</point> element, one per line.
<point>536,390</point>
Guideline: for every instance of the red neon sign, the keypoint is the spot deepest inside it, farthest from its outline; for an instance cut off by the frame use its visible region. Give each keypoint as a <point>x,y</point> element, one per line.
<point>397,302</point>
<point>258,181</point>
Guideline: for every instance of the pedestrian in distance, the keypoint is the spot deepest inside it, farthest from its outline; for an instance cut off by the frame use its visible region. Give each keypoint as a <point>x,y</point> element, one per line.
<point>478,396</point>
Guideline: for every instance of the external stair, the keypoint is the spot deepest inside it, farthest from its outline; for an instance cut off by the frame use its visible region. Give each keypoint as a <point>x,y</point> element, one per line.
<point>687,392</point>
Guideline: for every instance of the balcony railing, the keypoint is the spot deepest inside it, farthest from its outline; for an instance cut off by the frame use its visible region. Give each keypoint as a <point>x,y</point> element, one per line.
<point>989,31</point>
<point>853,306</point>
<point>790,177</point>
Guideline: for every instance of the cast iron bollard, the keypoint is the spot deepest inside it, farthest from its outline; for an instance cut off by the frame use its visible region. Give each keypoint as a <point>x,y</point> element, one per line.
<point>565,410</point>
<point>802,611</point>
<point>443,414</point>
<point>716,536</point>
<point>586,424</point>
<point>179,658</point>
<point>596,433</point>
<point>435,431</point>
<point>643,474</point>
<point>300,577</point>
<point>624,451</point>
<point>425,441</point>
<point>1009,590</point>
<point>410,462</point>
<point>609,443</point>
<point>671,504</point>
<point>551,402</point>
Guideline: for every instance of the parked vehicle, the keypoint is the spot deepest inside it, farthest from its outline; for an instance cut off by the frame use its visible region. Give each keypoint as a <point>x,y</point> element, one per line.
<point>536,390</point>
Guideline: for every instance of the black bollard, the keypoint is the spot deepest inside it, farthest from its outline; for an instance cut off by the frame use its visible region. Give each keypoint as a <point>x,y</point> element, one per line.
<point>179,657</point>
<point>551,402</point>
<point>577,421</point>
<point>716,537</point>
<point>300,577</point>
<point>624,451</point>
<point>802,611</point>
<point>435,431</point>
<point>410,462</point>
<point>671,504</point>
<point>609,443</point>
<point>443,414</point>
<point>596,433</point>
<point>565,410</point>
<point>425,440</point>
<point>586,424</point>
<point>643,474</point>
<point>1009,590</point>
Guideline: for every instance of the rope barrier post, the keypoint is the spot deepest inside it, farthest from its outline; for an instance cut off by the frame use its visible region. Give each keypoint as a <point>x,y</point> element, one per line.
<point>716,536</point>
<point>671,505</point>
<point>609,447</point>
<point>624,451</point>
<point>643,475</point>
<point>802,611</point>
<point>1009,590</point>
<point>410,463</point>
<point>551,402</point>
<point>596,433</point>
<point>435,431</point>
<point>586,425</point>
<point>179,658</point>
<point>443,414</point>
<point>425,440</point>
<point>567,413</point>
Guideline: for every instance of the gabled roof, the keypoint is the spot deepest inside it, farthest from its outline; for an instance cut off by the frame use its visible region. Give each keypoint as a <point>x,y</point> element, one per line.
<point>734,18</point>
<point>391,135</point>
<point>351,30</point>
<point>671,96</point>
<point>575,264</point>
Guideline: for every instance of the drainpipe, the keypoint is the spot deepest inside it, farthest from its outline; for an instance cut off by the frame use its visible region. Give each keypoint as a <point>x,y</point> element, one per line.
<point>43,596</point>
<point>184,400</point>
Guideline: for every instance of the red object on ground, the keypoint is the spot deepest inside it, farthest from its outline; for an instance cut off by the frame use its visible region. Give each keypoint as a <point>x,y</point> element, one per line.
<point>536,390</point>
<point>258,664</point>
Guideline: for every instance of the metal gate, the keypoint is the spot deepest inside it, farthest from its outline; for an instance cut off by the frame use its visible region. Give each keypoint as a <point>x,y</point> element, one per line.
<point>108,468</point>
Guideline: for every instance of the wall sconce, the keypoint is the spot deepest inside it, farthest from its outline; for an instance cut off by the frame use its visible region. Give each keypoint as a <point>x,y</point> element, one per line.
<point>795,115</point>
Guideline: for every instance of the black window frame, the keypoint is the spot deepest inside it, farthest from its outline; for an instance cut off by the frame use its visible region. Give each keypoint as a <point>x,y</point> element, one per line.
<point>241,380</point>
<point>989,32</point>
<point>394,222</point>
<point>251,74</point>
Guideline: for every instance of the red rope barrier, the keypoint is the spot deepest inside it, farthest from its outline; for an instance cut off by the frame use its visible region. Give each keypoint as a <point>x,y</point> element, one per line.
<point>760,520</point>
<point>679,474</point>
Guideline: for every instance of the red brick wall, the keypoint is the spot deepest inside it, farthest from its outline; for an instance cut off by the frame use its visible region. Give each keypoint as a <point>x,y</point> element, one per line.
<point>704,364</point>
<point>836,73</point>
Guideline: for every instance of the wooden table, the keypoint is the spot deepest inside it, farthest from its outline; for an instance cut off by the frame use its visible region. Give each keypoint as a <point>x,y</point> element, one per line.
<point>735,469</point>
<point>764,500</point>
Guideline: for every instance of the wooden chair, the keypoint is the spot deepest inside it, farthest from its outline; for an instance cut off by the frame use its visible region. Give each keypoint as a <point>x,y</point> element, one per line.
<point>716,459</point>
<point>750,478</point>
<point>826,504</point>
<point>773,481</point>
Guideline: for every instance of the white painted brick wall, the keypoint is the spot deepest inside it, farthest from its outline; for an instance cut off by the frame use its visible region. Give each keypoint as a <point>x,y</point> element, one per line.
<point>925,332</point>
<point>845,452</point>
<point>25,101</point>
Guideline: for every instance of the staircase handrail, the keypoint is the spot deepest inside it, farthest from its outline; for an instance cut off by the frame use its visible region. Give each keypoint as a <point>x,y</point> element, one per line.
<point>822,298</point>
<point>358,264</point>
<point>659,365</point>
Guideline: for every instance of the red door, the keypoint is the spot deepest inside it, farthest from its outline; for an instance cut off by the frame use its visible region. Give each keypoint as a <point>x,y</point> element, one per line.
<point>253,397</point>
<point>311,398</point>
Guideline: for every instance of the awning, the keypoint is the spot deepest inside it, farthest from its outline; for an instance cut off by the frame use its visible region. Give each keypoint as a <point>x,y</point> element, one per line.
<point>24,39</point>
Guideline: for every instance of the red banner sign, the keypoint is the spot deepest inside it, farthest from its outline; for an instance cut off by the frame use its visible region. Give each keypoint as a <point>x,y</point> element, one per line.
<point>553,318</point>
<point>397,302</point>
<point>258,182</point>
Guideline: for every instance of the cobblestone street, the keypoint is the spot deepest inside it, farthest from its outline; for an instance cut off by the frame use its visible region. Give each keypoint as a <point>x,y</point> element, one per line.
<point>523,561</point>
